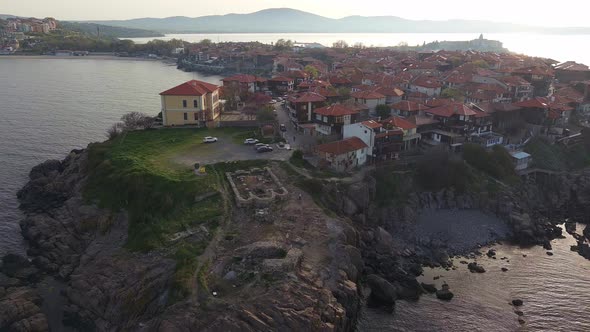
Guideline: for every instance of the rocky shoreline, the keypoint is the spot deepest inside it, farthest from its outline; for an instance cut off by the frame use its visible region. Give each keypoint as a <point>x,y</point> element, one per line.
<point>306,271</point>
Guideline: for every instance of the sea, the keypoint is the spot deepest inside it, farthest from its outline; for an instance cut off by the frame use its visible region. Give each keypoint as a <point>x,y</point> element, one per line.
<point>556,46</point>
<point>50,106</point>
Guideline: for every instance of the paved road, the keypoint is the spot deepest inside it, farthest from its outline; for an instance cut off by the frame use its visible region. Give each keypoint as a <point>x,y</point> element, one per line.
<point>295,139</point>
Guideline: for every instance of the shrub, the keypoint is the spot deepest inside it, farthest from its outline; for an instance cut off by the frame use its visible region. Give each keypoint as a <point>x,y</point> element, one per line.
<point>496,163</point>
<point>437,171</point>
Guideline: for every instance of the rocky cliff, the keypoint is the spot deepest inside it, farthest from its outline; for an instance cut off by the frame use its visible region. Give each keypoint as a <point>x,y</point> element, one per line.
<point>298,271</point>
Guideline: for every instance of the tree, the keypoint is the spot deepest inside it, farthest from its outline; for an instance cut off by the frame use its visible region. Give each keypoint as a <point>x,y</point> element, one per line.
<point>136,121</point>
<point>359,45</point>
<point>340,44</point>
<point>206,42</point>
<point>481,64</point>
<point>265,114</point>
<point>312,71</point>
<point>344,92</point>
<point>283,45</point>
<point>453,93</point>
<point>383,111</point>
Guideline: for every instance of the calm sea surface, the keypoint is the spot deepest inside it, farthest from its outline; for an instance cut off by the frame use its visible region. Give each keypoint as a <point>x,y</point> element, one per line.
<point>559,47</point>
<point>50,106</point>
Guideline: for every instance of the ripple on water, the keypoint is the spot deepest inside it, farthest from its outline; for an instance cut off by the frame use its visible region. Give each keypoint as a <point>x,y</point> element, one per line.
<point>555,290</point>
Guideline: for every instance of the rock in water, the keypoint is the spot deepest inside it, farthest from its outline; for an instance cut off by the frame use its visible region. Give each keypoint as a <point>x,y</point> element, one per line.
<point>491,253</point>
<point>504,269</point>
<point>430,288</point>
<point>517,302</point>
<point>549,253</point>
<point>444,294</point>
<point>570,227</point>
<point>382,292</point>
<point>474,267</point>
<point>587,232</point>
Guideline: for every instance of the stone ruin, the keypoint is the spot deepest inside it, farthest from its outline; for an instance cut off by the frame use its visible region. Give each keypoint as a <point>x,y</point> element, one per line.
<point>256,187</point>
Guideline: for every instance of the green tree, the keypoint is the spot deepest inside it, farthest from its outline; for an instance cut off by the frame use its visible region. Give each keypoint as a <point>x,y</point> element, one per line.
<point>383,111</point>
<point>265,114</point>
<point>206,42</point>
<point>481,64</point>
<point>312,71</point>
<point>344,92</point>
<point>283,45</point>
<point>453,93</point>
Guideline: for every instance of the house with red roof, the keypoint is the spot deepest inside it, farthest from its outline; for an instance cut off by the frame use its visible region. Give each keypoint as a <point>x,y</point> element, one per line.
<point>280,84</point>
<point>407,108</point>
<point>331,119</point>
<point>244,83</point>
<point>385,143</point>
<point>540,77</point>
<point>344,155</point>
<point>459,122</point>
<point>518,88</point>
<point>302,105</point>
<point>428,85</point>
<point>572,71</point>
<point>369,98</point>
<point>410,137</point>
<point>190,103</point>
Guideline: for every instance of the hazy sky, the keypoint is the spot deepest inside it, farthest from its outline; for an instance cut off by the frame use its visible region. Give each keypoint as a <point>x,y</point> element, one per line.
<point>533,12</point>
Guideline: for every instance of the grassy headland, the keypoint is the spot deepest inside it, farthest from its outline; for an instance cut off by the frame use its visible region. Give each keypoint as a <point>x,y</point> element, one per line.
<point>136,172</point>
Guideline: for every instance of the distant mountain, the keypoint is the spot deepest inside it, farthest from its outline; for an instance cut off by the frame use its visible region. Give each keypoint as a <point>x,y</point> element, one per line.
<point>108,31</point>
<point>278,20</point>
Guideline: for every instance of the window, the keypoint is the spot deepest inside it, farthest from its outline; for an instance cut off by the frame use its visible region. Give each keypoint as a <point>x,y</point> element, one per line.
<point>195,103</point>
<point>184,104</point>
<point>185,115</point>
<point>318,116</point>
<point>196,116</point>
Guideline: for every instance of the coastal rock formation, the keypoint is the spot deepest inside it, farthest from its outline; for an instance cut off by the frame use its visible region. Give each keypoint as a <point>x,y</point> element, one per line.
<point>304,280</point>
<point>20,305</point>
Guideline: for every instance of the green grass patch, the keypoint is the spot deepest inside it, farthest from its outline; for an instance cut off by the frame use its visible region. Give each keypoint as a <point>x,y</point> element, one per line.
<point>557,157</point>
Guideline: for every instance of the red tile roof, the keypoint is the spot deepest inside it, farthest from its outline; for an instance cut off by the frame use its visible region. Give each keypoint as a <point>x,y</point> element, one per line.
<point>452,109</point>
<point>436,102</point>
<point>309,97</point>
<point>398,122</point>
<point>191,88</point>
<point>372,124</point>
<point>427,82</point>
<point>367,95</point>
<point>408,106</point>
<point>335,110</point>
<point>572,66</point>
<point>281,79</point>
<point>537,102</point>
<point>340,147</point>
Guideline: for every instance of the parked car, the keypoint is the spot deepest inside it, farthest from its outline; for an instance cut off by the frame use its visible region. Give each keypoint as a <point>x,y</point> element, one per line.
<point>257,145</point>
<point>250,141</point>
<point>283,127</point>
<point>209,139</point>
<point>265,148</point>
<point>281,145</point>
<point>287,147</point>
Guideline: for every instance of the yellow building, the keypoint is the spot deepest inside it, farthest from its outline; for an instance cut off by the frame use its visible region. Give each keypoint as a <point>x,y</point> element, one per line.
<point>191,103</point>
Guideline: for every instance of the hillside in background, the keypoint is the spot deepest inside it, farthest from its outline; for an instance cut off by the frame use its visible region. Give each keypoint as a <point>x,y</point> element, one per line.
<point>279,20</point>
<point>107,31</point>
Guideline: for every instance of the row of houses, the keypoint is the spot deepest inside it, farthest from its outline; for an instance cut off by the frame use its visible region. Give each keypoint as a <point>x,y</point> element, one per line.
<point>373,105</point>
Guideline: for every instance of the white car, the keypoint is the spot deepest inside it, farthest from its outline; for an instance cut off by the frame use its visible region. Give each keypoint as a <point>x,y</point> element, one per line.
<point>287,147</point>
<point>209,139</point>
<point>273,101</point>
<point>250,141</point>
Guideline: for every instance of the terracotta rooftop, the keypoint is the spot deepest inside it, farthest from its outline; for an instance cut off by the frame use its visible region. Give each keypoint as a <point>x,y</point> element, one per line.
<point>335,110</point>
<point>281,79</point>
<point>449,110</point>
<point>340,147</point>
<point>398,122</point>
<point>408,106</point>
<point>309,97</point>
<point>243,78</point>
<point>367,95</point>
<point>191,88</point>
<point>372,124</point>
